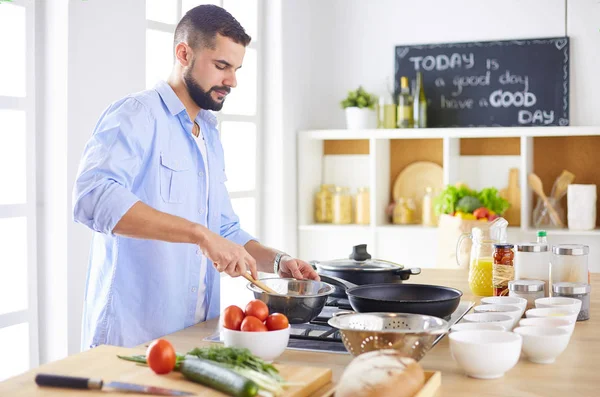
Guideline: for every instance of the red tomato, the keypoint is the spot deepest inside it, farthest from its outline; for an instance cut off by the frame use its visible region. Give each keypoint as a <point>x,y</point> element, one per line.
<point>277,321</point>
<point>253,324</point>
<point>161,357</point>
<point>232,317</point>
<point>258,309</point>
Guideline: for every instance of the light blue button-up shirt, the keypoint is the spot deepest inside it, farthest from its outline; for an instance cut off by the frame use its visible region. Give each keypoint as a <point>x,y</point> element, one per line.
<point>142,150</point>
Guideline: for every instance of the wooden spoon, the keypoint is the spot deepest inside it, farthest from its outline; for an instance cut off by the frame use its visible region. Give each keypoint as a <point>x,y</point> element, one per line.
<point>562,184</point>
<point>536,184</point>
<point>260,284</point>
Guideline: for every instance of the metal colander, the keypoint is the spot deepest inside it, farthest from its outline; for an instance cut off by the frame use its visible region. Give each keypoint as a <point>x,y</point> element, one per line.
<point>411,334</point>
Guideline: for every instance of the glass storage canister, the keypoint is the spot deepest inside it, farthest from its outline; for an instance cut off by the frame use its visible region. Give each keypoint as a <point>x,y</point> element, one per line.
<point>532,262</point>
<point>569,263</point>
<point>362,213</point>
<point>527,289</point>
<point>342,206</point>
<point>579,291</point>
<point>324,204</point>
<point>503,270</point>
<point>404,211</point>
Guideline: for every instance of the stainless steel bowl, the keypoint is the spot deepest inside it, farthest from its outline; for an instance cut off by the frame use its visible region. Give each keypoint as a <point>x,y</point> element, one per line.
<point>300,300</point>
<point>411,334</point>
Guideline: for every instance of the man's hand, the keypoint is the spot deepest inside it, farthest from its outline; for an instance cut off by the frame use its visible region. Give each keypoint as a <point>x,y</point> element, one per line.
<point>300,270</point>
<point>228,257</point>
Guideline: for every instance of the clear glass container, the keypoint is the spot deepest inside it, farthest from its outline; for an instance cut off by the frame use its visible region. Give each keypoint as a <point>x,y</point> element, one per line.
<point>428,217</point>
<point>569,263</point>
<point>503,270</point>
<point>404,211</point>
<point>579,291</point>
<point>532,262</point>
<point>527,289</point>
<point>362,208</point>
<point>324,204</point>
<point>342,206</point>
<point>386,112</point>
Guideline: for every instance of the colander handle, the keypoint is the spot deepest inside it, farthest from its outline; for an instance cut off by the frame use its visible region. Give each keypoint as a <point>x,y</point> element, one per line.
<point>343,313</point>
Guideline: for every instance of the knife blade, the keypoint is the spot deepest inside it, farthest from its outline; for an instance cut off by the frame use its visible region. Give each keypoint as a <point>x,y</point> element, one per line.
<point>73,382</point>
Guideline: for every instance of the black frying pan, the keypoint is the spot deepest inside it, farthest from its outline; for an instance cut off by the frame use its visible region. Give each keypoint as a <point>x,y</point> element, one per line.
<point>432,300</point>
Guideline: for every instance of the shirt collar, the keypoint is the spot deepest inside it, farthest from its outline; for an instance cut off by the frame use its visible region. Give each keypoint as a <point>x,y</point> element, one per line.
<point>175,105</point>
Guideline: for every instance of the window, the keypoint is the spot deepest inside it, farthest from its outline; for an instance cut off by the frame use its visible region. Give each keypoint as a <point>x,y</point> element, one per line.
<point>18,295</point>
<point>238,120</point>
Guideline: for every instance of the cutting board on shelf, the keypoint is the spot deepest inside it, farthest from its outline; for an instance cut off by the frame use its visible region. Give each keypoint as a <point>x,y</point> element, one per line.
<point>102,362</point>
<point>513,194</point>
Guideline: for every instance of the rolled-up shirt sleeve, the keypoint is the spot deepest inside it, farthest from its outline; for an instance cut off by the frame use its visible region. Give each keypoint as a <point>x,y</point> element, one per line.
<point>230,222</point>
<point>111,160</point>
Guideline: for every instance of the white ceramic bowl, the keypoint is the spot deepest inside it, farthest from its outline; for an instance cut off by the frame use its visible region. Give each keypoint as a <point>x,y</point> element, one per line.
<point>476,326</point>
<point>503,320</point>
<point>559,302</point>
<point>543,344</point>
<point>485,354</point>
<point>521,303</point>
<point>552,312</point>
<point>514,312</point>
<point>552,322</point>
<point>266,345</point>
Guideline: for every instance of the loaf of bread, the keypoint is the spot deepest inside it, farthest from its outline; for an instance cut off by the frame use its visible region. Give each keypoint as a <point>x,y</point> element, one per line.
<point>381,373</point>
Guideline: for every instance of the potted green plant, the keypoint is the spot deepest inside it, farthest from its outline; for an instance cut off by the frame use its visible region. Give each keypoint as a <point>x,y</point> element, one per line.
<point>359,106</point>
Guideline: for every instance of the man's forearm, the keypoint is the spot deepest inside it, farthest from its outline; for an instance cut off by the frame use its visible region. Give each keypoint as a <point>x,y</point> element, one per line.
<point>143,221</point>
<point>263,255</point>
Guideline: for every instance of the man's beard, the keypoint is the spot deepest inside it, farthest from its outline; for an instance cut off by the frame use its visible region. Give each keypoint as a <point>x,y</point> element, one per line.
<point>203,98</point>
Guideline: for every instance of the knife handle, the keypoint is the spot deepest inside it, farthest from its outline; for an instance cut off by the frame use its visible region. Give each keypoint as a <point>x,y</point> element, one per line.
<point>70,382</point>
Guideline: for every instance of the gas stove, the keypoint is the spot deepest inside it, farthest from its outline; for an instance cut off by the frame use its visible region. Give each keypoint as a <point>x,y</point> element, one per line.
<point>319,336</point>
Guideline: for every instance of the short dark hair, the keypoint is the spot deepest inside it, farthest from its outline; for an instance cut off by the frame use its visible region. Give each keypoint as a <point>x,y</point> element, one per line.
<point>200,25</point>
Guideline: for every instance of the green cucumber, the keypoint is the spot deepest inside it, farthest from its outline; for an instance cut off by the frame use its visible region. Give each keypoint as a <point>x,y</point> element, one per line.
<point>218,377</point>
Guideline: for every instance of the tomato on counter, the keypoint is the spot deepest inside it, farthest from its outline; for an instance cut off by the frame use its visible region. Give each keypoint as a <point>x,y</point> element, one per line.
<point>161,356</point>
<point>258,309</point>
<point>253,324</point>
<point>233,317</point>
<point>277,321</point>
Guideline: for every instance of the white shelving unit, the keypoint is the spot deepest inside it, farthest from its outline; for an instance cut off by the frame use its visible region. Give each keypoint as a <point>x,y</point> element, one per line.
<point>413,245</point>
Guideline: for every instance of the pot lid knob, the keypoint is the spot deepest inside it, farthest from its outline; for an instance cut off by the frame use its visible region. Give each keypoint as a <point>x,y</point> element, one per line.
<point>359,253</point>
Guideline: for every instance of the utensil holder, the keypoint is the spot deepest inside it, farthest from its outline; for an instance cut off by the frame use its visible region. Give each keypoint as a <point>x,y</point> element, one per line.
<point>541,214</point>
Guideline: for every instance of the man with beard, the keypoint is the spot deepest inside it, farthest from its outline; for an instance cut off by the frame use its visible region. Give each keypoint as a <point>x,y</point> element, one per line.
<point>151,185</point>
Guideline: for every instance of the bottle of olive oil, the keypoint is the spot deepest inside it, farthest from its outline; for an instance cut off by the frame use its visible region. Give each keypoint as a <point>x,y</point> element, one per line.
<point>420,104</point>
<point>405,112</point>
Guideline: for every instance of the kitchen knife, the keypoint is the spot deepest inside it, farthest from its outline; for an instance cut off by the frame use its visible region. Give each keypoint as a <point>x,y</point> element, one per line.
<point>72,382</point>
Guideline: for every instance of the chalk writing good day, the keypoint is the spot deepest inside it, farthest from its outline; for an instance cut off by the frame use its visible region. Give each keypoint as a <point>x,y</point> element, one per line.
<point>493,83</point>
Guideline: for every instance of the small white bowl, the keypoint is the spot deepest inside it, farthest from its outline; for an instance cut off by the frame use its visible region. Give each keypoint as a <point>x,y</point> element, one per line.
<point>543,344</point>
<point>521,303</point>
<point>267,345</point>
<point>552,322</point>
<point>485,354</point>
<point>514,312</point>
<point>476,326</point>
<point>552,312</point>
<point>503,320</point>
<point>559,302</point>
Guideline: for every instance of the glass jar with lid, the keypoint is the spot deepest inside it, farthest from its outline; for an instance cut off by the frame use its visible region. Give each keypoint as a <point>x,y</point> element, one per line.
<point>532,262</point>
<point>579,291</point>
<point>362,213</point>
<point>503,269</point>
<point>569,263</point>
<point>342,206</point>
<point>527,289</point>
<point>324,204</point>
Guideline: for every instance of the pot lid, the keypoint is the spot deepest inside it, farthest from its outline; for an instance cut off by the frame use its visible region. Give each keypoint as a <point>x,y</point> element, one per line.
<point>359,259</point>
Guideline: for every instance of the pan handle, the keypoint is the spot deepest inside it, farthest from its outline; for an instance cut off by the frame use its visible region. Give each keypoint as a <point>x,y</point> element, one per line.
<point>337,282</point>
<point>406,273</point>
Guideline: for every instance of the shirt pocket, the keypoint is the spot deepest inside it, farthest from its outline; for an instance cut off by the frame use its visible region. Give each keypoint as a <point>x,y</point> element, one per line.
<point>174,177</point>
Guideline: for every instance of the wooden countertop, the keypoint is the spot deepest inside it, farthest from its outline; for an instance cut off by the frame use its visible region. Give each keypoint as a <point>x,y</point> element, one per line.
<point>573,373</point>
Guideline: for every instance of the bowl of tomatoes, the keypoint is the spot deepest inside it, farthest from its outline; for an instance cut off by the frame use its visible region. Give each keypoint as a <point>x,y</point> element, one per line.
<point>265,334</point>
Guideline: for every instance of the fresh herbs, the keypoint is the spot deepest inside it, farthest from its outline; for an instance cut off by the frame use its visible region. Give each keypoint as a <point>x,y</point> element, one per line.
<point>491,200</point>
<point>448,201</point>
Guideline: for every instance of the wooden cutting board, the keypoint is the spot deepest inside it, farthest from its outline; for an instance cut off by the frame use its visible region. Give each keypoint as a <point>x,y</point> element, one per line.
<point>513,194</point>
<point>102,362</point>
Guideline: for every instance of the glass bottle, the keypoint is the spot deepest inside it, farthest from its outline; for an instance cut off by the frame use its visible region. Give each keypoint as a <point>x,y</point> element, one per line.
<point>405,113</point>
<point>323,204</point>
<point>428,217</point>
<point>419,104</point>
<point>362,213</point>
<point>342,206</point>
<point>503,269</point>
<point>542,237</point>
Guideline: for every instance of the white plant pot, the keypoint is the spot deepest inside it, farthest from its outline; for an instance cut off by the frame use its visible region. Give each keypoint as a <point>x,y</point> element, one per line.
<point>360,118</point>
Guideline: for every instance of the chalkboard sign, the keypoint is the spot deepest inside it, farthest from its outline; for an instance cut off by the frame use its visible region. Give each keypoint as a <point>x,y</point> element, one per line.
<point>493,83</point>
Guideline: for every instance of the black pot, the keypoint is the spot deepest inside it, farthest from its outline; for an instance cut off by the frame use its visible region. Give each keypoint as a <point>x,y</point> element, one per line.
<point>360,269</point>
